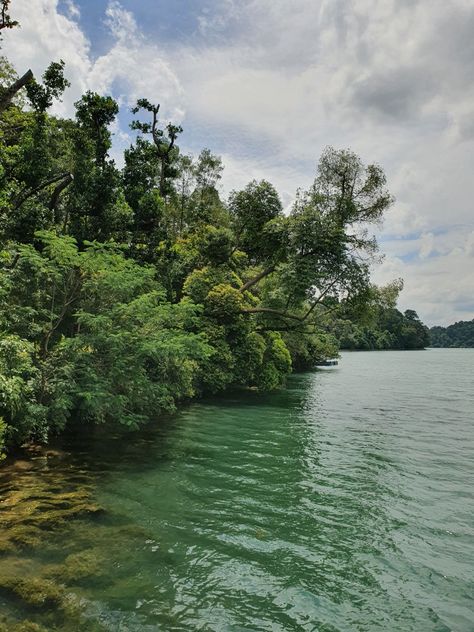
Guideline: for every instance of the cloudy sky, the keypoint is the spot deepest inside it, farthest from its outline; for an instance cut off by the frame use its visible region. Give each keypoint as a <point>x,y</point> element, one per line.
<point>267,84</point>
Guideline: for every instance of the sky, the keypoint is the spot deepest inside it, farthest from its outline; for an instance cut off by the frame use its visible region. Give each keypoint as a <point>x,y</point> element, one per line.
<point>268,84</point>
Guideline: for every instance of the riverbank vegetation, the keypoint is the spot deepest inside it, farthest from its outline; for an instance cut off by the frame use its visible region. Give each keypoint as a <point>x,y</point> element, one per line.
<point>380,325</point>
<point>461,334</point>
<point>126,289</point>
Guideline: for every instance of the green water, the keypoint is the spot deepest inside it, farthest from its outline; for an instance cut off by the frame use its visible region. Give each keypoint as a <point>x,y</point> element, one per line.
<point>345,502</point>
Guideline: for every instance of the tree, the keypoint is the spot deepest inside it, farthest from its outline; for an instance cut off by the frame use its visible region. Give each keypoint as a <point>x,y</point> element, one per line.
<point>351,192</point>
<point>95,114</point>
<point>415,335</point>
<point>140,175</point>
<point>204,204</point>
<point>96,207</point>
<point>252,210</point>
<point>41,96</point>
<point>34,147</point>
<point>7,93</point>
<point>89,331</point>
<point>164,141</point>
<point>185,181</point>
<point>328,249</point>
<point>208,170</point>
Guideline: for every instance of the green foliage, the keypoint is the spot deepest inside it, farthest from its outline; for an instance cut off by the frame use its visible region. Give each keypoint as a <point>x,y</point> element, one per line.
<point>308,350</point>
<point>165,150</point>
<point>252,210</point>
<point>8,76</point>
<point>202,281</point>
<point>41,96</point>
<point>136,360</point>
<point>461,334</point>
<point>275,364</point>
<point>348,190</point>
<point>99,338</point>
<point>224,302</point>
<point>3,432</point>
<point>216,246</point>
<point>19,404</point>
<point>126,291</point>
<point>95,114</point>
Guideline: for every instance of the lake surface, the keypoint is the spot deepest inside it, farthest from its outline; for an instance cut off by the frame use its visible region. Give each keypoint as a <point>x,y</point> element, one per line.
<point>345,502</point>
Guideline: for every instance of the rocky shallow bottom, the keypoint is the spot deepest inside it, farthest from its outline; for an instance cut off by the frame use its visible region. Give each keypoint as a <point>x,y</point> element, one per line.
<point>44,500</point>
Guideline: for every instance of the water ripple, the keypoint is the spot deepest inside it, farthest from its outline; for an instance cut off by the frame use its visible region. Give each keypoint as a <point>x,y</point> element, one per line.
<point>342,503</point>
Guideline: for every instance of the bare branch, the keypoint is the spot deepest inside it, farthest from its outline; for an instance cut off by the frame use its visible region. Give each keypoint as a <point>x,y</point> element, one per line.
<point>9,93</point>
<point>26,194</point>
<point>258,278</point>
<point>274,312</point>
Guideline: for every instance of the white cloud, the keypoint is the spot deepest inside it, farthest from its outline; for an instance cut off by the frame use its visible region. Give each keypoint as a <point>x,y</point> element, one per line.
<point>470,244</point>
<point>132,67</point>
<point>426,245</point>
<point>120,22</point>
<point>72,10</point>
<point>46,35</point>
<point>440,291</point>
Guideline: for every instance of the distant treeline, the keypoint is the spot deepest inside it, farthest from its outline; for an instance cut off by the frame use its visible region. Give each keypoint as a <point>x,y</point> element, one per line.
<point>460,334</point>
<point>381,325</point>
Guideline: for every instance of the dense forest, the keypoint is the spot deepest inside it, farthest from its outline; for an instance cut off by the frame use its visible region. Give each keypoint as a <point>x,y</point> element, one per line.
<point>126,289</point>
<point>461,334</point>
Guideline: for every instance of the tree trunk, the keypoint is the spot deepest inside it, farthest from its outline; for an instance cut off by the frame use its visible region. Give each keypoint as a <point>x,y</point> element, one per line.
<point>9,93</point>
<point>57,192</point>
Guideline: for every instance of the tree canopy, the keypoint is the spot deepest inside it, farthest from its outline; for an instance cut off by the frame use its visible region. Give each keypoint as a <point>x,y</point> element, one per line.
<point>124,291</point>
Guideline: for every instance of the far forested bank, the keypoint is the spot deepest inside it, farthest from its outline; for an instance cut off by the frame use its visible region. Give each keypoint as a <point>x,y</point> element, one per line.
<point>460,334</point>
<point>380,325</point>
<point>125,290</point>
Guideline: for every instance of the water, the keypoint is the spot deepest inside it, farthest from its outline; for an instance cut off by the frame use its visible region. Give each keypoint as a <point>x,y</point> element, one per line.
<point>345,502</point>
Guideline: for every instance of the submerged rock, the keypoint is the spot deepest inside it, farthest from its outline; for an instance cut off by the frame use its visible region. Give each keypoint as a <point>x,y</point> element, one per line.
<point>50,584</point>
<point>31,509</point>
<point>22,578</point>
<point>58,608</point>
<point>85,565</point>
<point>23,626</point>
<point>36,591</point>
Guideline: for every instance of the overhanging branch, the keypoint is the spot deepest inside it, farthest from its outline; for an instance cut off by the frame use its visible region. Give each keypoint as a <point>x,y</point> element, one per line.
<point>273,312</point>
<point>26,194</point>
<point>258,278</point>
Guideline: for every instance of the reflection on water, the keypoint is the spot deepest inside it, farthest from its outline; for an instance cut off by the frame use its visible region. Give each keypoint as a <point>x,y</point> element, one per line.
<point>342,503</point>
